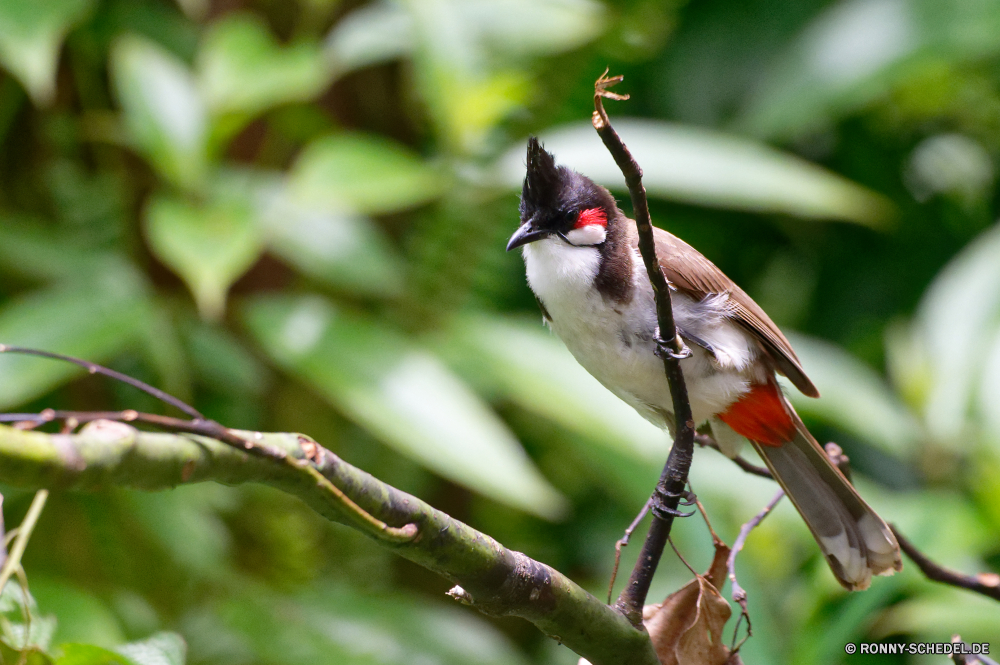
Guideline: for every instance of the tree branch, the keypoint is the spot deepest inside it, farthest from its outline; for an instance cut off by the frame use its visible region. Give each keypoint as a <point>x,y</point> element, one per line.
<point>739,594</point>
<point>493,579</point>
<point>94,368</point>
<point>672,482</point>
<point>987,584</point>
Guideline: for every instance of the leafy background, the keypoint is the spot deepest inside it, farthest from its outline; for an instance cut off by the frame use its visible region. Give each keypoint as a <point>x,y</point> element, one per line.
<point>293,215</point>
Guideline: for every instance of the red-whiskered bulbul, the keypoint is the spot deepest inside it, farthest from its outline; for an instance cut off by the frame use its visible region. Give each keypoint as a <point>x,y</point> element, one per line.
<point>582,260</point>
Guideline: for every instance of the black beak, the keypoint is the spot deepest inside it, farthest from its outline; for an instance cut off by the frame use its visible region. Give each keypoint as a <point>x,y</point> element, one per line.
<point>526,233</point>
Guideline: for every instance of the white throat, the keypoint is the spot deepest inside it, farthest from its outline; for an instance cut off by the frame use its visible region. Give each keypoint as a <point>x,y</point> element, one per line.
<point>614,340</point>
<point>558,271</point>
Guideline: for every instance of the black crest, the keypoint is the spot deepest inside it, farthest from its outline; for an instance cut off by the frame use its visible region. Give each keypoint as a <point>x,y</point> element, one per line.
<point>554,195</point>
<point>543,180</point>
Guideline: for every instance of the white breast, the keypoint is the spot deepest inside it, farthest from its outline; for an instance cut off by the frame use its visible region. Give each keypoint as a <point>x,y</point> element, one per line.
<point>614,342</point>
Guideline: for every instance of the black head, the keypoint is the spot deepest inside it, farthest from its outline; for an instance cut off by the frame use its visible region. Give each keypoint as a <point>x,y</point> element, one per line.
<point>557,201</point>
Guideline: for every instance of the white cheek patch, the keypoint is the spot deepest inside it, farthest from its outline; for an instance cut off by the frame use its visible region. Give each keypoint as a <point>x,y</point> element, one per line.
<point>591,234</point>
<point>559,273</point>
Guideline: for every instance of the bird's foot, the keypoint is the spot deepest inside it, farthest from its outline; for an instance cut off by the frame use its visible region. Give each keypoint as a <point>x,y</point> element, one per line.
<point>659,506</point>
<point>665,349</point>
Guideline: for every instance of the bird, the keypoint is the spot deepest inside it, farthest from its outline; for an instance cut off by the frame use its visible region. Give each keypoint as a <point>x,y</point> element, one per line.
<point>582,263</point>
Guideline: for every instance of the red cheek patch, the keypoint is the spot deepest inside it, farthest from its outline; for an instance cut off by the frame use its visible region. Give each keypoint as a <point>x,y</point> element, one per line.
<point>591,216</point>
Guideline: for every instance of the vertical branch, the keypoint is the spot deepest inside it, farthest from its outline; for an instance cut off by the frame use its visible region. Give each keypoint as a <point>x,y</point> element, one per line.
<point>672,481</point>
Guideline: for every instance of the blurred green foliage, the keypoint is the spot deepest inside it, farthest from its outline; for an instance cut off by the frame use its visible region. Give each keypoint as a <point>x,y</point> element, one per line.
<point>293,215</point>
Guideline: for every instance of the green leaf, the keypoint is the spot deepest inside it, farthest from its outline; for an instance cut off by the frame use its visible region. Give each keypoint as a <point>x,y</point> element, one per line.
<point>705,167</point>
<point>163,112</point>
<point>470,36</point>
<point>854,397</point>
<point>185,522</point>
<point>935,614</point>
<point>530,27</point>
<point>208,244</point>
<point>363,173</point>
<point>222,360</point>
<point>241,69</point>
<point>83,617</point>
<point>852,617</point>
<point>956,321</point>
<point>467,51</point>
<point>404,396</point>
<point>464,95</point>
<point>530,367</point>
<point>14,600</point>
<point>468,109</point>
<point>371,34</point>
<point>22,627</point>
<point>94,318</point>
<point>334,625</point>
<point>383,31</point>
<point>160,649</point>
<point>40,250</point>
<point>338,247</point>
<point>88,654</point>
<point>31,35</point>
<point>989,392</point>
<point>857,50</point>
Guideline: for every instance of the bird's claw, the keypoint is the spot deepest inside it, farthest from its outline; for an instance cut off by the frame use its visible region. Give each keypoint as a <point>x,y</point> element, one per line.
<point>661,510</point>
<point>665,349</point>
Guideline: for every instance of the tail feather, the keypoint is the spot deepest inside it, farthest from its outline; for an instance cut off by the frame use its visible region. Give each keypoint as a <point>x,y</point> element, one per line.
<point>856,542</point>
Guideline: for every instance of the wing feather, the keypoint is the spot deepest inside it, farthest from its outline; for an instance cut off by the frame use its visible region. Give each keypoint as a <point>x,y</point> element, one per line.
<point>690,272</point>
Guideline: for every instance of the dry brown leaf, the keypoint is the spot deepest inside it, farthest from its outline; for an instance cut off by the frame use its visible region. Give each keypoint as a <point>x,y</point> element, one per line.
<point>686,628</point>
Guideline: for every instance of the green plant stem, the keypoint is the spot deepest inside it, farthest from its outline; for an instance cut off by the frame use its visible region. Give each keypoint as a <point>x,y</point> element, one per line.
<point>493,579</point>
<point>23,535</point>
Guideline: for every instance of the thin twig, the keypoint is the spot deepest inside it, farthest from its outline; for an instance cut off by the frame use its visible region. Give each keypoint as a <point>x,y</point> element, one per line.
<point>672,481</point>
<point>201,426</point>
<point>708,522</point>
<point>958,658</point>
<point>968,658</point>
<point>681,556</point>
<point>23,535</point>
<point>739,594</point>
<point>988,584</point>
<point>94,368</point>
<point>214,430</point>
<point>839,459</point>
<point>623,542</point>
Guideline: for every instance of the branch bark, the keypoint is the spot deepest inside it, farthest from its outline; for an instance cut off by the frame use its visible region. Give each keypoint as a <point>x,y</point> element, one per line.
<point>673,480</point>
<point>988,584</point>
<point>493,579</point>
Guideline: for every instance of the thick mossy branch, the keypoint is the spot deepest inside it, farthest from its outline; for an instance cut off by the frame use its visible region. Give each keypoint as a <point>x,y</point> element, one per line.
<point>494,579</point>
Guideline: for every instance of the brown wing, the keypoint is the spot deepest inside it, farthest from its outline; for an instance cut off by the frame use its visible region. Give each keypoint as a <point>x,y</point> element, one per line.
<point>692,273</point>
